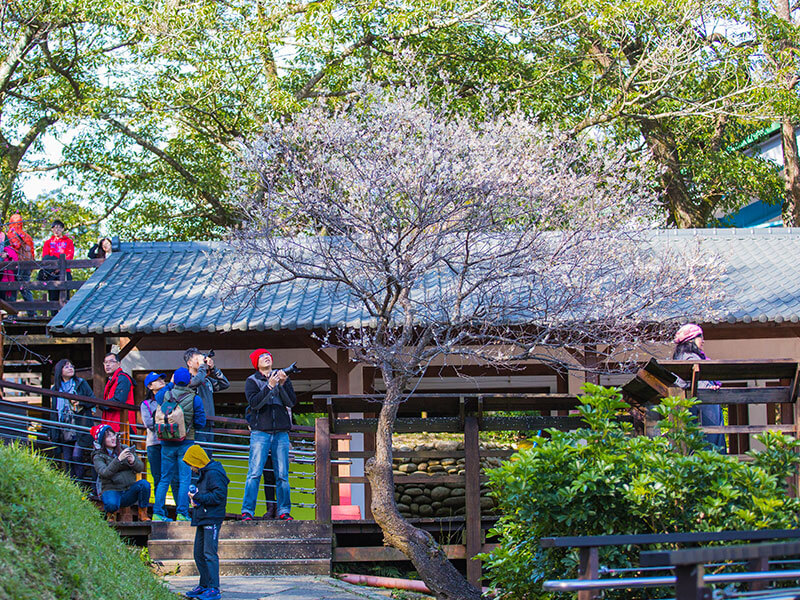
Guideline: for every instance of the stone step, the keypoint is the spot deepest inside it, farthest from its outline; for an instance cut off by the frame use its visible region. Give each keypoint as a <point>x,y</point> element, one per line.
<point>314,566</point>
<point>245,530</point>
<point>245,549</point>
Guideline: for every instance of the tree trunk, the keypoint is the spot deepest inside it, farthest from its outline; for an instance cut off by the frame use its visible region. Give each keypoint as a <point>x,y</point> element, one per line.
<point>418,545</point>
<point>791,174</point>
<point>682,210</point>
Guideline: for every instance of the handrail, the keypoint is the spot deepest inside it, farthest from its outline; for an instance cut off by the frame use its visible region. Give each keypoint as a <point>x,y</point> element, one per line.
<point>4,383</point>
<point>636,539</point>
<point>51,265</point>
<point>580,585</point>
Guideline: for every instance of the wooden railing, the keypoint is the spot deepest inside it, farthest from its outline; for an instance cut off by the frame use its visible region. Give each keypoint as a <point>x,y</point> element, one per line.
<point>688,579</point>
<point>465,414</point>
<point>64,286</point>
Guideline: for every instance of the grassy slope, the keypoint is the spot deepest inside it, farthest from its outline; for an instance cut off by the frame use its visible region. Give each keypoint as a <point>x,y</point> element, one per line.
<point>54,544</point>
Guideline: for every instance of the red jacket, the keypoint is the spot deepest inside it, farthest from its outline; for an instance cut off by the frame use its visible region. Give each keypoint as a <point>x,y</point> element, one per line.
<point>20,241</point>
<point>119,388</point>
<point>56,246</point>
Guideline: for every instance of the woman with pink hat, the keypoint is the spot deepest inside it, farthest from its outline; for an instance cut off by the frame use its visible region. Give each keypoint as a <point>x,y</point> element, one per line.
<point>689,346</point>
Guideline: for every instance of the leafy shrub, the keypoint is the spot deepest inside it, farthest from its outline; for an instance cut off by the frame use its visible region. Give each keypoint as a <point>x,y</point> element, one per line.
<point>602,480</point>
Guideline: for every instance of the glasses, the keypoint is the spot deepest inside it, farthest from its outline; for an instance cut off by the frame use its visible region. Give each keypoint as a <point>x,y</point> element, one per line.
<point>110,361</point>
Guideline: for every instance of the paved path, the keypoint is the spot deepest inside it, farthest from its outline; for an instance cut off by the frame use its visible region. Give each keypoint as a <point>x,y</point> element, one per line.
<point>285,588</point>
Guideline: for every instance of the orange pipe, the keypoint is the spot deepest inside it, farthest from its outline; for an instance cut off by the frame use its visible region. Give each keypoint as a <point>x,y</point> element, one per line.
<point>395,583</point>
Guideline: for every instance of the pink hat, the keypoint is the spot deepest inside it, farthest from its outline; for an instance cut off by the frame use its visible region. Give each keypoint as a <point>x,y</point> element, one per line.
<point>688,332</point>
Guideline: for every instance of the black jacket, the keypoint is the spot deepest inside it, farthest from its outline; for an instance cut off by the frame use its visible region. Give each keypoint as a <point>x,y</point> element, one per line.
<point>267,409</point>
<point>211,496</point>
<point>115,475</point>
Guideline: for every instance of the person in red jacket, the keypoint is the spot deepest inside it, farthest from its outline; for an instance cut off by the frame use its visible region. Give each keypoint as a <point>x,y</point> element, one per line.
<point>55,246</point>
<point>119,389</point>
<point>58,243</point>
<point>23,244</point>
<point>7,254</point>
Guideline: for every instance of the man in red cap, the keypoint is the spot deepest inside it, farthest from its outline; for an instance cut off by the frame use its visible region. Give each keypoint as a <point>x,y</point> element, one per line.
<point>269,395</point>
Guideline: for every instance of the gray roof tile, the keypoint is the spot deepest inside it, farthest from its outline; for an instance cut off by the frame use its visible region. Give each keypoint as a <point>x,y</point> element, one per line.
<point>173,286</point>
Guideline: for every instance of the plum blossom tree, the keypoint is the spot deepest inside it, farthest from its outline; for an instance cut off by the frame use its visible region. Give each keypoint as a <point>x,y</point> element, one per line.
<point>443,235</point>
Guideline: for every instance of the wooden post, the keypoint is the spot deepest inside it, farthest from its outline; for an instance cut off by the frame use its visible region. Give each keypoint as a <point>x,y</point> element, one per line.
<point>472,466</point>
<point>758,564</point>
<point>689,584</point>
<point>98,371</point>
<point>589,568</point>
<point>62,277</point>
<point>343,490</point>
<point>590,355</point>
<point>322,470</point>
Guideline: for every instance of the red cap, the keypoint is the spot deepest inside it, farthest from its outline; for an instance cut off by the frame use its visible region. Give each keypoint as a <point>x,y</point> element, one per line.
<point>255,354</point>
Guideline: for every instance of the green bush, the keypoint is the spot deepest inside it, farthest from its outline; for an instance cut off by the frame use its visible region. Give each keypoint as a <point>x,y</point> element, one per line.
<point>55,545</point>
<point>603,480</point>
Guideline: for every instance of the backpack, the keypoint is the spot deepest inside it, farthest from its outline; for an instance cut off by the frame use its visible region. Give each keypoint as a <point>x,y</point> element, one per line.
<point>173,417</point>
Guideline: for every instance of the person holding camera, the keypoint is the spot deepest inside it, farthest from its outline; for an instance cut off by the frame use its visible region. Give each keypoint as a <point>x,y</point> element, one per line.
<point>117,466</point>
<point>206,379</point>
<point>270,395</point>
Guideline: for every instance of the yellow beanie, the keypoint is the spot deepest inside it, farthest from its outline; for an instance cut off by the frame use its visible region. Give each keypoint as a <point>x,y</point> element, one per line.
<point>196,457</point>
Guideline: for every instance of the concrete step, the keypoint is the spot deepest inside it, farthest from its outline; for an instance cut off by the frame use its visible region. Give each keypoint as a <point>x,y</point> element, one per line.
<point>245,530</point>
<point>245,548</point>
<point>251,567</point>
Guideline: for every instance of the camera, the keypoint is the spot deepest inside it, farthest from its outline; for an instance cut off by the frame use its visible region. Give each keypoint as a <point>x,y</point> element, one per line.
<point>292,368</point>
<point>193,489</point>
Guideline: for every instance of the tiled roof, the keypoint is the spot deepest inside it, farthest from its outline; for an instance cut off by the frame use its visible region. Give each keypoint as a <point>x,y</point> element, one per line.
<point>156,287</point>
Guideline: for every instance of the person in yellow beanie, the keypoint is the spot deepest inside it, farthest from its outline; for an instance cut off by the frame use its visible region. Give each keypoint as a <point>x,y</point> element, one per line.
<point>208,511</point>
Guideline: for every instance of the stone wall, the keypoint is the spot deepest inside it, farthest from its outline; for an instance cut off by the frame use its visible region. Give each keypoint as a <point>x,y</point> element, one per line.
<point>438,499</point>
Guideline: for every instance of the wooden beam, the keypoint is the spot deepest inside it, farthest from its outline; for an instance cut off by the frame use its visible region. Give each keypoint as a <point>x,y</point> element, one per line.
<point>9,308</point>
<point>129,345</point>
<point>590,362</point>
<point>315,346</point>
<point>98,372</point>
<point>387,553</point>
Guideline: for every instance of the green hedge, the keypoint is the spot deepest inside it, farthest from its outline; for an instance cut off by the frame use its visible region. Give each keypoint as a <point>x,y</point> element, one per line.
<point>603,480</point>
<point>56,545</point>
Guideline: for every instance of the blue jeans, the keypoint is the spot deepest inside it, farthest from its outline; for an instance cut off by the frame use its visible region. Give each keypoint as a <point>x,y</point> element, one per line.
<point>171,459</point>
<point>138,493</point>
<point>263,444</point>
<point>154,460</point>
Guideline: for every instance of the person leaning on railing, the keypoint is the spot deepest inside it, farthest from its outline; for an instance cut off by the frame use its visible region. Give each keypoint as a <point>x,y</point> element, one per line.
<point>53,247</point>
<point>71,414</point>
<point>7,254</point>
<point>23,244</point>
<point>117,466</point>
<point>118,389</point>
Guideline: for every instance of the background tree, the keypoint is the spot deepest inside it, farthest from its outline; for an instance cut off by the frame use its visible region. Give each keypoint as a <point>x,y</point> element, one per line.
<point>668,77</point>
<point>443,237</point>
<point>773,29</point>
<point>54,59</point>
